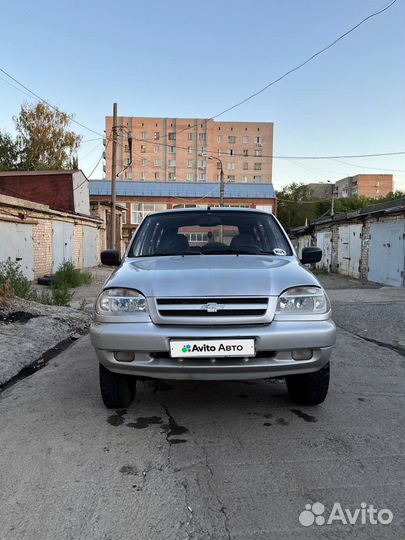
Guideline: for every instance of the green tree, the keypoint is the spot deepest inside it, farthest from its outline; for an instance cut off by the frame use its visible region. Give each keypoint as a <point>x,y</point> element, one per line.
<point>44,139</point>
<point>295,205</point>
<point>9,154</point>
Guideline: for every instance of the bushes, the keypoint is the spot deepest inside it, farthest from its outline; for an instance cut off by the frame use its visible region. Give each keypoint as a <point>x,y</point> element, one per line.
<point>13,282</point>
<point>70,276</point>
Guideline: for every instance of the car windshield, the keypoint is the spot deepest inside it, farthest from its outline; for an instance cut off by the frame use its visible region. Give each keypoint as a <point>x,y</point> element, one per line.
<point>208,233</point>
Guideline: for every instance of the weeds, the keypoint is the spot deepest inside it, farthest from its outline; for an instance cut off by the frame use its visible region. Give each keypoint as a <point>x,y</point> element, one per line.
<point>14,283</point>
<point>70,276</point>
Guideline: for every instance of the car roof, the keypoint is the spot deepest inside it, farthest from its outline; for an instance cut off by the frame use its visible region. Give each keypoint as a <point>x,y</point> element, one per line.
<point>211,209</point>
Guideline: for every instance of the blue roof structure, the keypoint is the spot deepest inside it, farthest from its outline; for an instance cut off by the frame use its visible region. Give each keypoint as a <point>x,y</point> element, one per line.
<point>133,188</point>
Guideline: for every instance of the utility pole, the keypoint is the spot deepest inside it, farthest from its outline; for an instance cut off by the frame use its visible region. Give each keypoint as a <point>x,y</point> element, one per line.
<point>332,206</point>
<point>221,186</point>
<point>114,179</point>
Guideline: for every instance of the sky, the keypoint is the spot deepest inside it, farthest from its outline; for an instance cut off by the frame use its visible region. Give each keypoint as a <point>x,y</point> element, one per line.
<point>194,59</point>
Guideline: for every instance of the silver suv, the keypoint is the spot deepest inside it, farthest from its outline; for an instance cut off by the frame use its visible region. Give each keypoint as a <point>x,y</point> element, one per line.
<point>212,294</point>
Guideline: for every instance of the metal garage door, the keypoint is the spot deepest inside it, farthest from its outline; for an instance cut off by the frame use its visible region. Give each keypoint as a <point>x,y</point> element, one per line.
<point>324,242</point>
<point>19,246</point>
<point>386,253</point>
<point>89,246</point>
<point>349,253</point>
<point>62,243</point>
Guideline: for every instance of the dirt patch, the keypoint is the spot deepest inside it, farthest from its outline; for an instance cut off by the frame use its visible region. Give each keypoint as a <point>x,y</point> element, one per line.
<point>16,317</point>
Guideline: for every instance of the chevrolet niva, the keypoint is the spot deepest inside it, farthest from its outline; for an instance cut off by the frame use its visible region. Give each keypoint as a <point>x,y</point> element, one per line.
<point>212,294</point>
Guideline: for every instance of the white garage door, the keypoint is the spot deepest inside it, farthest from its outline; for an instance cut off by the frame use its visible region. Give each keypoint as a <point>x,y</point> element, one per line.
<point>62,243</point>
<point>349,253</point>
<point>89,246</point>
<point>324,242</point>
<point>18,245</point>
<point>386,253</point>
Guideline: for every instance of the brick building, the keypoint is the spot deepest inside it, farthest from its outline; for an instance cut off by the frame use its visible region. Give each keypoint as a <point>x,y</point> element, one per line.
<point>188,149</point>
<point>364,185</point>
<point>45,219</point>
<point>137,199</point>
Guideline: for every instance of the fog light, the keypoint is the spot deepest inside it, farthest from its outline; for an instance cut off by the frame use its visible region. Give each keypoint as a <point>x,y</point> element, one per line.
<point>124,356</point>
<point>302,354</point>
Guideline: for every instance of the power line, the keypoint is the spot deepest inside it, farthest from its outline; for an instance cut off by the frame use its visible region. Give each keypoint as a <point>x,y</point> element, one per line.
<point>277,156</point>
<point>39,98</point>
<point>296,68</point>
<point>299,66</point>
<point>366,167</point>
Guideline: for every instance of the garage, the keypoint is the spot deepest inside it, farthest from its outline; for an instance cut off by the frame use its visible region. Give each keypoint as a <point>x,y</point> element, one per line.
<point>386,252</point>
<point>89,246</point>
<point>62,243</point>
<point>19,246</point>
<point>349,250</point>
<point>324,242</point>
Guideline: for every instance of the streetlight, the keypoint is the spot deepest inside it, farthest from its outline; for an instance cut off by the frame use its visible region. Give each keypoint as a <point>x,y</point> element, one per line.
<point>332,206</point>
<point>221,182</point>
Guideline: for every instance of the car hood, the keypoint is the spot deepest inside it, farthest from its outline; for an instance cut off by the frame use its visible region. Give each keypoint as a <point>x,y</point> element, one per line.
<point>211,275</point>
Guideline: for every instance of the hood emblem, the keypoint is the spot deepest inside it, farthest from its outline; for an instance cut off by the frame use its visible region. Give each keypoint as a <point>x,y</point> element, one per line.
<point>212,307</point>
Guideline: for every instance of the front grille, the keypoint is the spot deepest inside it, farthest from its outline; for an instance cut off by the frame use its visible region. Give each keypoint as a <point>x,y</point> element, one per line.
<point>210,308</point>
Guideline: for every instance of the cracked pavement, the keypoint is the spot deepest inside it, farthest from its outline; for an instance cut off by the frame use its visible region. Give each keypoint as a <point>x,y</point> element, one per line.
<point>210,460</point>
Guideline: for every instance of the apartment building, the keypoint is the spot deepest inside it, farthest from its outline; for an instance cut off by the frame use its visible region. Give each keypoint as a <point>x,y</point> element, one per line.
<point>364,185</point>
<point>191,150</point>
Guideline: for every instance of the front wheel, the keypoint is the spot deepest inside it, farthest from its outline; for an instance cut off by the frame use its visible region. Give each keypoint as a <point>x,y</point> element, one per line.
<point>117,391</point>
<point>309,388</point>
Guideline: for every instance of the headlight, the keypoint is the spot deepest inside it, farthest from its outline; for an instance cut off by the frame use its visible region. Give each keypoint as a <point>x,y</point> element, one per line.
<point>303,301</point>
<point>121,302</point>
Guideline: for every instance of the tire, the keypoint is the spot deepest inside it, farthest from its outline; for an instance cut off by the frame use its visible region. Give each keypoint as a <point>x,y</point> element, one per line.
<point>117,391</point>
<point>309,388</point>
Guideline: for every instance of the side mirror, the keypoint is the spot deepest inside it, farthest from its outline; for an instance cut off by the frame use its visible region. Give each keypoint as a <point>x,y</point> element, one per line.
<point>110,257</point>
<point>311,255</point>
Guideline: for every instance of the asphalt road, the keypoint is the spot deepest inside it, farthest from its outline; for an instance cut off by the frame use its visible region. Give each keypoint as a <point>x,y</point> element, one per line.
<point>210,460</point>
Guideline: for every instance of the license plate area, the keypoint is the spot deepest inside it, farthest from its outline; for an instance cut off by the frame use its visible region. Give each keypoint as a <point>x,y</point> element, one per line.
<point>209,348</point>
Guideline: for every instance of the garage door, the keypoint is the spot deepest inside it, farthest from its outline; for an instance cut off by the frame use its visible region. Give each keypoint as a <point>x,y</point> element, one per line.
<point>19,246</point>
<point>89,246</point>
<point>324,242</point>
<point>386,253</point>
<point>62,243</point>
<point>349,253</point>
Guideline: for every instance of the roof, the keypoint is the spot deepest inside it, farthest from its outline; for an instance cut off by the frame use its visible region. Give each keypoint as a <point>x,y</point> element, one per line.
<point>37,173</point>
<point>134,188</point>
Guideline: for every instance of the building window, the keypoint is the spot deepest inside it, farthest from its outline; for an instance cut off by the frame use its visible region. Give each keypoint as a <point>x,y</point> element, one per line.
<point>189,136</point>
<point>232,139</point>
<point>172,149</point>
<point>128,175</point>
<point>245,139</point>
<point>245,165</point>
<point>172,136</point>
<point>203,163</point>
<point>258,153</point>
<point>157,176</point>
<point>157,162</point>
<point>143,148</point>
<point>157,149</point>
<point>245,178</point>
<point>231,178</point>
<point>257,179</point>
<point>246,153</point>
<point>126,148</point>
<point>172,162</point>
<point>202,177</point>
<point>140,210</point>
<point>231,166</point>
<point>144,162</point>
<point>143,135</point>
<point>202,137</point>
<point>259,141</point>
<point>124,217</point>
<point>190,177</point>
<point>219,166</point>
<point>189,150</point>
<point>219,138</point>
<point>143,175</point>
<point>189,163</point>
<point>258,166</point>
<point>172,176</point>
<point>157,135</point>
<point>219,152</point>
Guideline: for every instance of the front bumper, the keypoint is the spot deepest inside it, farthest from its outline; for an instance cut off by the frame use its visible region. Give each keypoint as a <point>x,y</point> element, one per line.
<point>274,344</point>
